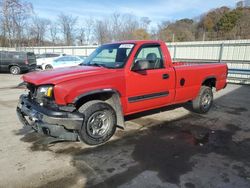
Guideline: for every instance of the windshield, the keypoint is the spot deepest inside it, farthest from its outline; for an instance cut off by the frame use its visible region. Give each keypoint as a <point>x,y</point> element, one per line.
<point>109,56</point>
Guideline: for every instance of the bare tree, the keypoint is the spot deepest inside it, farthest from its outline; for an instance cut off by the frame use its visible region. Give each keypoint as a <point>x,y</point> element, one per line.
<point>15,15</point>
<point>120,27</point>
<point>53,32</point>
<point>81,36</point>
<point>67,25</point>
<point>144,22</point>
<point>129,27</point>
<point>154,33</point>
<point>101,31</point>
<point>89,29</point>
<point>38,30</point>
<point>116,23</point>
<point>3,41</point>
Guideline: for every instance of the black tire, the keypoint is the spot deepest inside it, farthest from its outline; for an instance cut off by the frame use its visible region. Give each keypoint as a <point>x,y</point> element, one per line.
<point>203,102</point>
<point>15,70</point>
<point>90,110</point>
<point>48,67</point>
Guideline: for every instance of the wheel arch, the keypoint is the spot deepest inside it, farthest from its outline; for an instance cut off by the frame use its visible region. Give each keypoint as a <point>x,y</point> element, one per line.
<point>209,81</point>
<point>11,65</point>
<point>111,96</point>
<point>48,64</point>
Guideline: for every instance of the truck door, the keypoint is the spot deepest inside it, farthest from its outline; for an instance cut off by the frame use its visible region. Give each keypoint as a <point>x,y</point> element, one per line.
<point>149,83</point>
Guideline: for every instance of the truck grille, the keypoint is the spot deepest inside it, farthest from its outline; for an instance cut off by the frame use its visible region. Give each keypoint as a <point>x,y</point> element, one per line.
<point>32,90</point>
<point>33,95</point>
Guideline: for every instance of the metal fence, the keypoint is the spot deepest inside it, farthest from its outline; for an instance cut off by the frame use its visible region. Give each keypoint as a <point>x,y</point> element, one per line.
<point>236,53</point>
<point>70,50</point>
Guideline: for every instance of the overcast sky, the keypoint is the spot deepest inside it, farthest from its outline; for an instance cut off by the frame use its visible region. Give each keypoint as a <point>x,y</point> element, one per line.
<point>156,10</point>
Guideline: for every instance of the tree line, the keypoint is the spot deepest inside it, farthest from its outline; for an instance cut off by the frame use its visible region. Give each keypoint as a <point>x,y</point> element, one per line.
<point>21,26</point>
<point>218,24</point>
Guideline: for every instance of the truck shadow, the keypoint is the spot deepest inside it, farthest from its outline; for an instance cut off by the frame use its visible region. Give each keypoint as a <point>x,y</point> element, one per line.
<point>164,146</point>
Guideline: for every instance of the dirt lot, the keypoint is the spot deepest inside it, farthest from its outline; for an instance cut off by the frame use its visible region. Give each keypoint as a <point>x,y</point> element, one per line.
<point>174,148</point>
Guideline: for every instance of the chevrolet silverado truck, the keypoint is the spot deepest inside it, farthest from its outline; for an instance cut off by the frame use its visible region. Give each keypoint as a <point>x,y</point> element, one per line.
<point>89,102</point>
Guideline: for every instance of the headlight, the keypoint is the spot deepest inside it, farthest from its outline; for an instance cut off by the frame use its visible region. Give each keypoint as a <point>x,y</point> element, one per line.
<point>45,91</point>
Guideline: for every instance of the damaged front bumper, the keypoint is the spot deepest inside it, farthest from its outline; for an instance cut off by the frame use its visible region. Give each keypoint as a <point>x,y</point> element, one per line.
<point>56,123</point>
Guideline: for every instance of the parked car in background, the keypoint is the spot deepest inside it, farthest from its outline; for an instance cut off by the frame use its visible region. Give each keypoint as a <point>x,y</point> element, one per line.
<point>17,62</point>
<point>46,58</point>
<point>83,57</point>
<point>64,61</point>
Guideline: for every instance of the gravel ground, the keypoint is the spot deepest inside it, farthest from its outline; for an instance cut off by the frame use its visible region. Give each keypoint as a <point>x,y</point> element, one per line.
<point>170,147</point>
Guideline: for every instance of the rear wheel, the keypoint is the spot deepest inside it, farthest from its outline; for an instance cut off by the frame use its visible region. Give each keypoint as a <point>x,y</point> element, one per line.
<point>203,102</point>
<point>99,122</point>
<point>15,70</point>
<point>48,67</point>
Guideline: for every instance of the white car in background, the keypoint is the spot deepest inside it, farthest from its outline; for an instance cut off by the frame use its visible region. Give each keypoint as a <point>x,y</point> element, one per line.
<point>63,61</point>
<point>46,58</point>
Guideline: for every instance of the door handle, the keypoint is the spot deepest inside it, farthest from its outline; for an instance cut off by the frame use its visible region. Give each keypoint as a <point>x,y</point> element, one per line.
<point>165,76</point>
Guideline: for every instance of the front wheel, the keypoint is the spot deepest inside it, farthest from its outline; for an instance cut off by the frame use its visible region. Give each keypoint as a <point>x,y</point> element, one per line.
<point>15,70</point>
<point>203,102</point>
<point>99,122</point>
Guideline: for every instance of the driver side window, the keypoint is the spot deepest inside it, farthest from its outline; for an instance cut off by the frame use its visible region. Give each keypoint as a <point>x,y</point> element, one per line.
<point>150,57</point>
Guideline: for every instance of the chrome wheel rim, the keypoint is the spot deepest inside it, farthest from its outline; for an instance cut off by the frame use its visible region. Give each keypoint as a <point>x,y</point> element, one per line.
<point>98,124</point>
<point>48,67</point>
<point>206,101</point>
<point>14,70</point>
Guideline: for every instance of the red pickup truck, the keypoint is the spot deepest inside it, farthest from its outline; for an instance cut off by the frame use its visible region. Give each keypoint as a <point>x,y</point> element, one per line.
<point>90,101</point>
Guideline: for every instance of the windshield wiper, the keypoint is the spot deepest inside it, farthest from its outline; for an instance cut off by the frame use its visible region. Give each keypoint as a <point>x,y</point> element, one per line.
<point>97,65</point>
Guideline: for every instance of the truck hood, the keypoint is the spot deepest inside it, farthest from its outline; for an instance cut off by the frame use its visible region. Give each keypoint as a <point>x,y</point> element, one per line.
<point>59,75</point>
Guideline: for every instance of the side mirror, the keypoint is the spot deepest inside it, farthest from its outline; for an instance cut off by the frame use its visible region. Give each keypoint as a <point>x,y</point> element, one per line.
<point>140,65</point>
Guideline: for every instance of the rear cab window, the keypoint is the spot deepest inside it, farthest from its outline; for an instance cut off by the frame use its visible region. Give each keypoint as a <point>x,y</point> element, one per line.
<point>152,54</point>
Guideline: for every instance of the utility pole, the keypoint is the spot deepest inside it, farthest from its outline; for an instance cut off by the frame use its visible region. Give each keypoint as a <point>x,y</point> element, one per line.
<point>204,36</point>
<point>173,37</point>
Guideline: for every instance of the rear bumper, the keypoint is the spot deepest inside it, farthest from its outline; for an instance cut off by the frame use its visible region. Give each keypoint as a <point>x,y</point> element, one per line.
<point>60,124</point>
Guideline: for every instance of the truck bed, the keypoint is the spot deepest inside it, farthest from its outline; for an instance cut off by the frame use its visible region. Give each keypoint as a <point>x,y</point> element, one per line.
<point>194,74</point>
